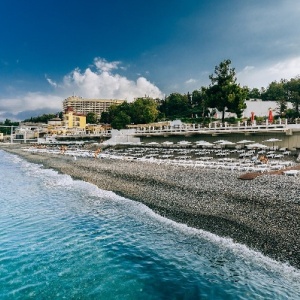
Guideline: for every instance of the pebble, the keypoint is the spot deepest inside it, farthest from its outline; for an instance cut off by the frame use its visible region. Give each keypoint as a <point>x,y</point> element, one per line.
<point>263,213</point>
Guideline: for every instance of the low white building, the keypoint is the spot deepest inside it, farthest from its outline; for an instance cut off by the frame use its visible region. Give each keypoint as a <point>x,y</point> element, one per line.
<point>259,107</point>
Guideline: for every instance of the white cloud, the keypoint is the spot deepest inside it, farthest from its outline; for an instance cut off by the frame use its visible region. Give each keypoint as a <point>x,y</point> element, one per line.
<point>262,76</point>
<point>191,80</point>
<point>103,83</point>
<point>51,82</point>
<point>105,66</point>
<point>29,102</point>
<point>97,81</point>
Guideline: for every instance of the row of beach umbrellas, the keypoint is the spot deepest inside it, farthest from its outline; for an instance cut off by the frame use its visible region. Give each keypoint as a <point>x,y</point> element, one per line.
<point>250,144</point>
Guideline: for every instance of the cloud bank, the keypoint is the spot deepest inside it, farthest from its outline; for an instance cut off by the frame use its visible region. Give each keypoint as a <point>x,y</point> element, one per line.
<point>100,80</point>
<point>262,76</point>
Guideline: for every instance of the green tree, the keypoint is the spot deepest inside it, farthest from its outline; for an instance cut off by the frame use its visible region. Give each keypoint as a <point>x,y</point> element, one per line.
<point>200,103</point>
<point>43,118</point>
<point>117,115</point>
<point>91,118</point>
<point>224,93</point>
<point>7,123</point>
<point>275,91</point>
<point>293,94</point>
<point>254,94</point>
<point>120,120</point>
<point>105,117</point>
<point>143,111</point>
<point>176,106</point>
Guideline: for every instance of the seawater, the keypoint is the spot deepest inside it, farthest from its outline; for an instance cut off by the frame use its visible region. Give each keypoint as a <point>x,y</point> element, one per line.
<point>66,239</point>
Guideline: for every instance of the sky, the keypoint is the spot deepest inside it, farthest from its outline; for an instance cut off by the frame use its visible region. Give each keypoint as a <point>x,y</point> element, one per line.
<point>124,49</point>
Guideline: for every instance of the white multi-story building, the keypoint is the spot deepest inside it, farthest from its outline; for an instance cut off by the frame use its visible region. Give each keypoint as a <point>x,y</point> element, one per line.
<point>84,106</point>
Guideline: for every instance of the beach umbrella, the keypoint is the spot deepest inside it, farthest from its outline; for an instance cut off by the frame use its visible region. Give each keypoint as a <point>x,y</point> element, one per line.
<point>243,142</point>
<point>220,141</point>
<point>272,140</point>
<point>184,143</point>
<point>200,142</point>
<point>204,143</point>
<point>252,116</point>
<point>225,143</point>
<point>257,145</point>
<point>167,143</point>
<point>270,117</point>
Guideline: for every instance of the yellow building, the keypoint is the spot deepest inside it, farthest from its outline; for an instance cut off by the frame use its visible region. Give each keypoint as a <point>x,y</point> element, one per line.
<point>97,128</point>
<point>72,119</point>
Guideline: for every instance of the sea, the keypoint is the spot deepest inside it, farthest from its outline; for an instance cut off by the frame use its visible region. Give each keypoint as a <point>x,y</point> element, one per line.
<point>62,238</point>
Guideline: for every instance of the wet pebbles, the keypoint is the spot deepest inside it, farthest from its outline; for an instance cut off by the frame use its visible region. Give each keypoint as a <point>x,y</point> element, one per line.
<point>263,213</point>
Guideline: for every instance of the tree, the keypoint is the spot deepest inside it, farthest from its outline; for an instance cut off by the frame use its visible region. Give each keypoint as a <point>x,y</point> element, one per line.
<point>275,91</point>
<point>105,118</point>
<point>293,93</point>
<point>200,103</point>
<point>43,118</point>
<point>224,93</point>
<point>254,94</point>
<point>176,106</point>
<point>121,120</point>
<point>117,115</point>
<point>143,111</point>
<point>91,118</point>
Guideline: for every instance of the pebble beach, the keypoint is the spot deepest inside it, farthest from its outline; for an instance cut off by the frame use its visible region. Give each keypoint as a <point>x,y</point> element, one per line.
<point>263,213</point>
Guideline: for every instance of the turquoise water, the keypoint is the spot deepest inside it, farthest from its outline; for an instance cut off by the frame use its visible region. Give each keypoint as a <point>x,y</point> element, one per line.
<point>67,239</point>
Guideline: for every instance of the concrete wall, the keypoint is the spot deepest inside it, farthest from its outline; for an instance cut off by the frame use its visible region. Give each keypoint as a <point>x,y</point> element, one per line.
<point>291,142</point>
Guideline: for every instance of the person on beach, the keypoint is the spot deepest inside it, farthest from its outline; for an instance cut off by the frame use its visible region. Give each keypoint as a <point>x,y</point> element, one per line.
<point>263,159</point>
<point>97,152</point>
<point>63,149</point>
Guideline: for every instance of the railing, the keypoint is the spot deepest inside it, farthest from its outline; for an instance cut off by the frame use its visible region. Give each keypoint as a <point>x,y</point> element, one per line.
<point>212,128</point>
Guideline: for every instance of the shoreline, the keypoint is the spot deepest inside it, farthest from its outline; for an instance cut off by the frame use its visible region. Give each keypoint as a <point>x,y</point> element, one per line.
<point>263,213</point>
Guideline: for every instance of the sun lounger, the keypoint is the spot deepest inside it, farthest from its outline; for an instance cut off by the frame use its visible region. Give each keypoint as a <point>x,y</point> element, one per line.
<point>291,173</point>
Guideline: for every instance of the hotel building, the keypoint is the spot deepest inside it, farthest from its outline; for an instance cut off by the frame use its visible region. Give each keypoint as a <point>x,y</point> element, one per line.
<point>84,106</point>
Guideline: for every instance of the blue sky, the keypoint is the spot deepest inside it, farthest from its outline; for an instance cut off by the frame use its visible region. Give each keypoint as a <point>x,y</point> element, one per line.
<point>126,49</point>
